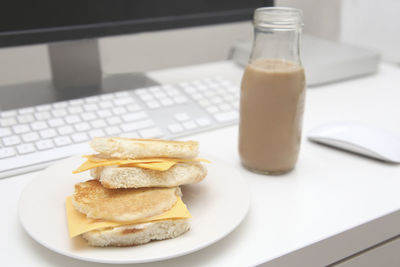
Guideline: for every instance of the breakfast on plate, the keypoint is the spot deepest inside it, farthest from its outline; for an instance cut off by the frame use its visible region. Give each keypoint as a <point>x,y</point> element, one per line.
<point>135,196</point>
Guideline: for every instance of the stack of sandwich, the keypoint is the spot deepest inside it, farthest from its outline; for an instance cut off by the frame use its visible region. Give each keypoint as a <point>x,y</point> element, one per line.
<point>135,196</point>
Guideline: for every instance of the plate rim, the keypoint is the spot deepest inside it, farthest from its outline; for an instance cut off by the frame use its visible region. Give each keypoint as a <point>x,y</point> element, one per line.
<point>67,253</point>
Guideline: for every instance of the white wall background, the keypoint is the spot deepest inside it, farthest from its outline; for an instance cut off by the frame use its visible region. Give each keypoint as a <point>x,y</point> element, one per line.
<point>374,24</point>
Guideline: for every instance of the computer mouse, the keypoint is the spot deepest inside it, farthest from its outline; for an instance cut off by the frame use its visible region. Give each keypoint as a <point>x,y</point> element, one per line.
<point>358,138</point>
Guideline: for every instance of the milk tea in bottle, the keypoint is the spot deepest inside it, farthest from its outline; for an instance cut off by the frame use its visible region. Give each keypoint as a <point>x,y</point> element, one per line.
<point>272,93</point>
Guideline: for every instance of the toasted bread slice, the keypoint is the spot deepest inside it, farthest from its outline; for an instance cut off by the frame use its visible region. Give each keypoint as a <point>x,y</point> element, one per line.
<point>138,234</point>
<point>122,205</point>
<point>133,177</point>
<point>118,147</point>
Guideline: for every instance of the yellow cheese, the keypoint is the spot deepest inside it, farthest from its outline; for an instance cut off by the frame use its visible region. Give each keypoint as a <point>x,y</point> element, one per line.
<point>159,164</point>
<point>78,223</point>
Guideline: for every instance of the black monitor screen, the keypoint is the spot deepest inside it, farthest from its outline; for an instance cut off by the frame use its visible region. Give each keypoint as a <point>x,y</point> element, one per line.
<point>28,22</point>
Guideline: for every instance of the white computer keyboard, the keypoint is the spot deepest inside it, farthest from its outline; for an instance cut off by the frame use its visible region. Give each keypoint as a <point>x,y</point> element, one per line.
<point>33,137</point>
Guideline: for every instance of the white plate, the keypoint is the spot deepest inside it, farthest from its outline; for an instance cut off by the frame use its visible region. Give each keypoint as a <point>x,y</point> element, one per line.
<point>42,214</point>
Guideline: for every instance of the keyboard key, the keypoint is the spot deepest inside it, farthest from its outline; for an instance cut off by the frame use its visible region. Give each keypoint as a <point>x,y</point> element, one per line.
<point>216,100</point>
<point>30,137</point>
<point>146,97</point>
<point>112,130</point>
<point>44,144</point>
<point>104,113</point>
<point>11,140</point>
<point>134,116</point>
<point>202,88</point>
<point>189,125</point>
<point>141,91</point>
<point>76,102</point>
<point>98,123</point>
<point>105,104</point>
<point>83,126</point>
<point>173,92</point>
<point>114,120</point>
<point>60,105</point>
<point>229,98</point>
<point>7,122</point>
<point>226,116</point>
<point>88,116</point>
<point>79,137</point>
<point>209,94</point>
<point>180,99</point>
<point>25,149</point>
<point>71,119</point>
<point>96,133</point>
<point>119,110</point>
<point>123,101</point>
<point>56,122</point>
<point>6,152</point>
<point>197,96</point>
<point>224,107</point>
<point>175,128</point>
<point>43,107</point>
<point>221,92</point>
<point>9,113</point>
<point>64,130</point>
<point>133,107</point>
<point>75,110</point>
<point>43,115</point>
<point>106,97</point>
<point>92,99</point>
<point>62,141</point>
<point>4,132</point>
<point>122,94</point>
<point>59,112</point>
<point>90,107</point>
<point>160,95</point>
<point>203,121</point>
<point>137,125</point>
<point>48,133</point>
<point>204,102</point>
<point>26,110</point>
<point>153,104</point>
<point>232,89</point>
<point>151,133</point>
<point>21,128</point>
<point>39,125</point>
<point>25,118</point>
<point>167,102</point>
<point>190,90</point>
<point>212,109</point>
<point>181,117</point>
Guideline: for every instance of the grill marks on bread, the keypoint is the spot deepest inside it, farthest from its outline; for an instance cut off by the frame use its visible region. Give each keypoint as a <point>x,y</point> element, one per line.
<point>123,205</point>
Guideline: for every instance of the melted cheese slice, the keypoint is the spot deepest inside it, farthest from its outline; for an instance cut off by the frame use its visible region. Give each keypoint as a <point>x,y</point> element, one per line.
<point>158,164</point>
<point>78,223</point>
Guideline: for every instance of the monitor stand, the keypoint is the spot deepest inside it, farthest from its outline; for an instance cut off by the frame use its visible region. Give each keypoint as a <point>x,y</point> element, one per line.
<point>76,73</point>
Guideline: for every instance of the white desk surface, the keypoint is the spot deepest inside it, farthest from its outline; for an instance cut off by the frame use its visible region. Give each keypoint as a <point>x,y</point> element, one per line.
<point>332,205</point>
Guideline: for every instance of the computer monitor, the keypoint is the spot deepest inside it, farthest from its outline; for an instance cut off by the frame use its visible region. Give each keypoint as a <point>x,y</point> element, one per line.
<point>71,28</point>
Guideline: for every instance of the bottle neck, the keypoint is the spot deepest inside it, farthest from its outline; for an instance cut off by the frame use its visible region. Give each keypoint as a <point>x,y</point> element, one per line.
<point>281,44</point>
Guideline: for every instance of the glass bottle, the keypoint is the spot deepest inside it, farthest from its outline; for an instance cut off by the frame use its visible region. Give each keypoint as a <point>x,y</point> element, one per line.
<point>272,93</point>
